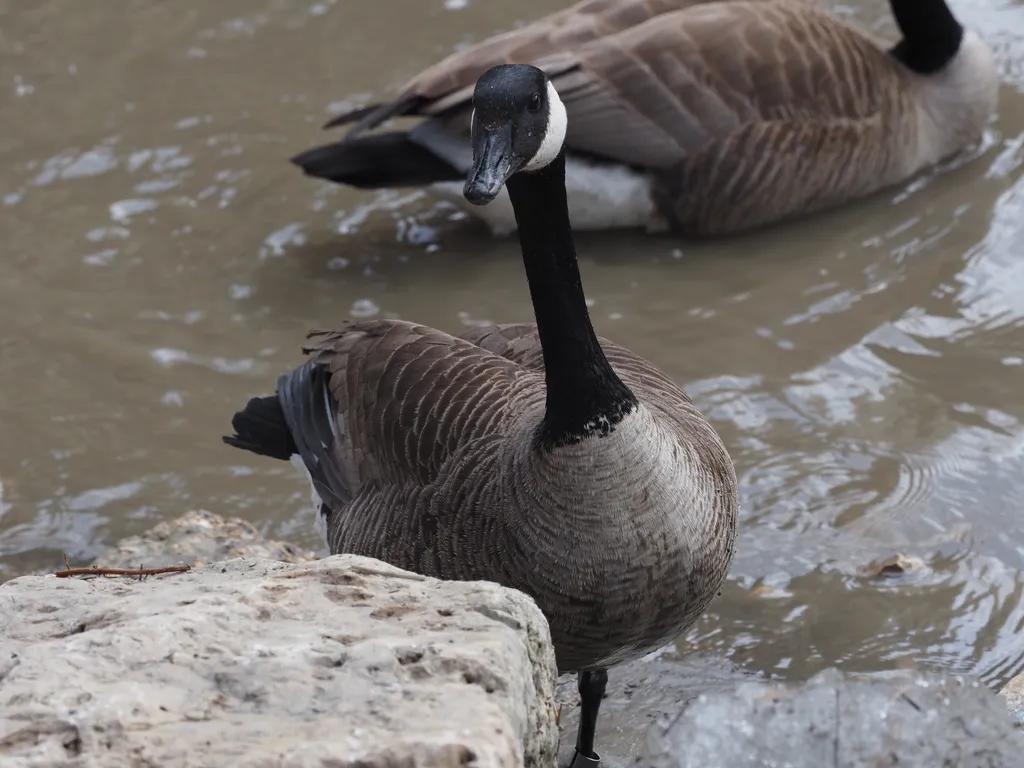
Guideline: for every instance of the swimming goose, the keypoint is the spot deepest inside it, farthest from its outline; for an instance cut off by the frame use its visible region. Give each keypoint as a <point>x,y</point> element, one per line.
<point>703,117</point>
<point>537,456</point>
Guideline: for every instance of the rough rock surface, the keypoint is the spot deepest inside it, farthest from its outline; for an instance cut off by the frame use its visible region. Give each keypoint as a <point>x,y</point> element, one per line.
<point>343,662</point>
<point>268,711</point>
<point>1013,694</point>
<point>198,538</point>
<point>909,720</point>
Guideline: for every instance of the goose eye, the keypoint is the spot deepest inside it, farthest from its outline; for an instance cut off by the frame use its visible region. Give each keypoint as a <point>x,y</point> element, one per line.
<point>534,104</point>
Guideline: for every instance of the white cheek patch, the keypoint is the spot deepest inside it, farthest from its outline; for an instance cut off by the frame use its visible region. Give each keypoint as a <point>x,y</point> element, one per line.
<point>554,133</point>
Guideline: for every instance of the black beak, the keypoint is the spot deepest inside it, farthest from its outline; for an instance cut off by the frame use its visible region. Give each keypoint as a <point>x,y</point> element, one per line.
<point>493,163</point>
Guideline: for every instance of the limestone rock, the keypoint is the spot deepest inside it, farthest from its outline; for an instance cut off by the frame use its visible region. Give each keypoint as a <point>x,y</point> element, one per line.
<point>198,538</point>
<point>1013,694</point>
<point>343,662</point>
<point>909,720</point>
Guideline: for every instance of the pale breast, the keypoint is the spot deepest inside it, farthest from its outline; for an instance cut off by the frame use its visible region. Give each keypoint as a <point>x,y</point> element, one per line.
<point>626,538</point>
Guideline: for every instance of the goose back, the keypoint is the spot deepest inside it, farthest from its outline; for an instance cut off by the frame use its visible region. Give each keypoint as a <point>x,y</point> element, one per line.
<point>579,23</point>
<point>430,463</point>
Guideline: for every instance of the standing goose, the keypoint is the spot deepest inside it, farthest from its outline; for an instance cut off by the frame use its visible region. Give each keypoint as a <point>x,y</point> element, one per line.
<point>537,456</point>
<point>700,116</point>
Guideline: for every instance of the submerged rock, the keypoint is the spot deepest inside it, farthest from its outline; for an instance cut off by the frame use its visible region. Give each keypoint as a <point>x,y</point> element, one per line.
<point>342,662</point>
<point>905,720</point>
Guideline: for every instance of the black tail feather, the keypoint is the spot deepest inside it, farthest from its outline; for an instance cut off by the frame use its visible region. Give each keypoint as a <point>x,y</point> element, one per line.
<point>376,161</point>
<point>261,428</point>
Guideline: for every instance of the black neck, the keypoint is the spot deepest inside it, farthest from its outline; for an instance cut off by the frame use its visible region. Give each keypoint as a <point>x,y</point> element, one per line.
<point>931,34</point>
<point>584,395</point>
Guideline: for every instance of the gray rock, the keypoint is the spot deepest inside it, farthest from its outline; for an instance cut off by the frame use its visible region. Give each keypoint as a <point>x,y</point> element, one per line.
<point>1013,695</point>
<point>198,538</point>
<point>909,720</point>
<point>343,662</point>
<point>266,665</point>
<point>639,693</point>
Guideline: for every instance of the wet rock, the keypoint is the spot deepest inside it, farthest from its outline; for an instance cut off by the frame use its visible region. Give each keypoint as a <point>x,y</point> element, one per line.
<point>910,720</point>
<point>1013,694</point>
<point>344,661</point>
<point>639,694</point>
<point>894,566</point>
<point>197,538</point>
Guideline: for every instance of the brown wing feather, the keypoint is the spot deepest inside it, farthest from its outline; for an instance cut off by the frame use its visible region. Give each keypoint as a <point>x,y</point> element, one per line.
<point>520,343</point>
<point>658,92</point>
<point>819,163</point>
<point>408,397</point>
<point>517,342</point>
<point>457,73</point>
<point>650,83</point>
<point>565,30</point>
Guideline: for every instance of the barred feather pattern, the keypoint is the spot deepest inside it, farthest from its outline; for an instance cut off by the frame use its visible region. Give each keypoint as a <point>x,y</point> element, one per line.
<point>743,112</point>
<point>622,540</point>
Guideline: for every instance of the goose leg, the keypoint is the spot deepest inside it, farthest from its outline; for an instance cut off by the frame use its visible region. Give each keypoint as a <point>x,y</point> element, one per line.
<point>591,685</point>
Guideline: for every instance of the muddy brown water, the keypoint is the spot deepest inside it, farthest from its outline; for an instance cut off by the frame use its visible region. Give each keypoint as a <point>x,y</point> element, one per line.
<point>161,263</point>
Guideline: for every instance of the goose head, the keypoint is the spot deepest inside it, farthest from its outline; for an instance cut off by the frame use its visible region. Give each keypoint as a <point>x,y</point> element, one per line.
<point>518,124</point>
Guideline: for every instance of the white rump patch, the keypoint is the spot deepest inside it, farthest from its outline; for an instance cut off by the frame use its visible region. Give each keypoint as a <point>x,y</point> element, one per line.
<point>957,101</point>
<point>319,522</point>
<point>601,196</point>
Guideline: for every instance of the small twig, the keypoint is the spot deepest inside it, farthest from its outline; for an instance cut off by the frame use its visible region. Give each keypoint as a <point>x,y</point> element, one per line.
<point>140,572</point>
<point>67,563</point>
<point>910,701</point>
